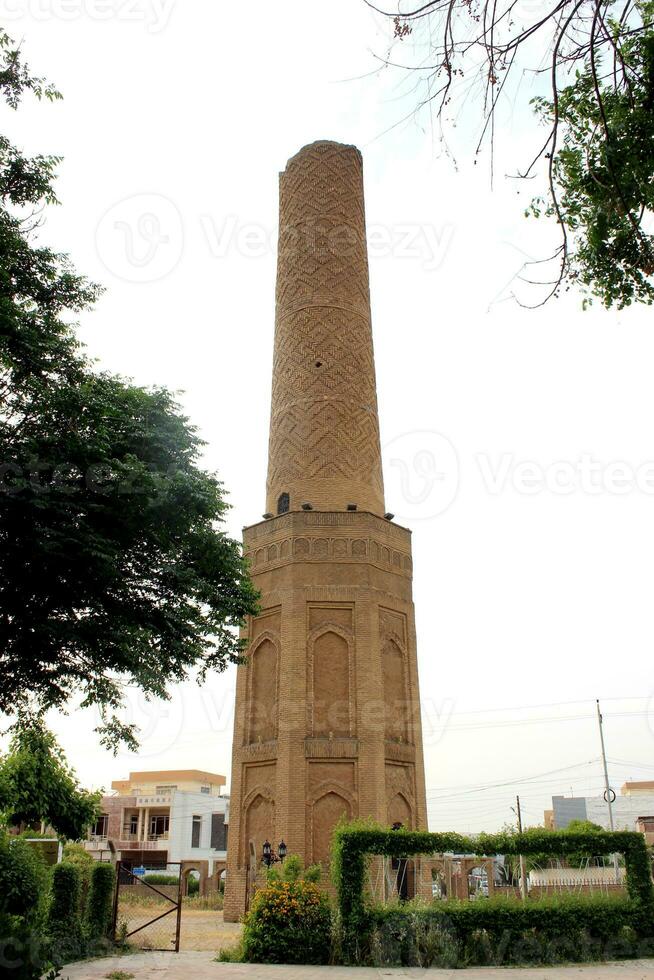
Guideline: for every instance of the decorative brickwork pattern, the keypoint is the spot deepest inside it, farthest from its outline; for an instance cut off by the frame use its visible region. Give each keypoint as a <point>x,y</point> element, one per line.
<point>324,431</point>
<point>327,720</point>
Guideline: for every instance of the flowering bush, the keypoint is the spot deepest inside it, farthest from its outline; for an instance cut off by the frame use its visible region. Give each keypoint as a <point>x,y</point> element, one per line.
<point>289,922</point>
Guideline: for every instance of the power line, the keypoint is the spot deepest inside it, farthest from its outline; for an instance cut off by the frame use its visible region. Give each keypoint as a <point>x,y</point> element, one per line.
<point>547,704</point>
<point>547,719</point>
<point>511,782</point>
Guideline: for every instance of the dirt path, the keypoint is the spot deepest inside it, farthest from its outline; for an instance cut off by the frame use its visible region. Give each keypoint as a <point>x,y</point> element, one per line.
<point>206,931</point>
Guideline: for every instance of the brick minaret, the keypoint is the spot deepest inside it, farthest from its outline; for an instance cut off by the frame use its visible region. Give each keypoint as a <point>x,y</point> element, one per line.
<point>327,709</point>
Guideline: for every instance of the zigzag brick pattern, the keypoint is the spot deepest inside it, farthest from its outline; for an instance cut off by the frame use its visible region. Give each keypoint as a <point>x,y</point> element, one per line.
<point>327,720</point>
<point>324,431</point>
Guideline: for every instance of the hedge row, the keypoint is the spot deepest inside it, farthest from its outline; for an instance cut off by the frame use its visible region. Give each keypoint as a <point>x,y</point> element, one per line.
<point>42,924</point>
<point>75,932</point>
<point>486,925</point>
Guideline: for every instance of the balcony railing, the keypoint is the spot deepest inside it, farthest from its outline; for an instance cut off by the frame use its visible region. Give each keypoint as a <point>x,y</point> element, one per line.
<point>151,840</point>
<point>143,845</point>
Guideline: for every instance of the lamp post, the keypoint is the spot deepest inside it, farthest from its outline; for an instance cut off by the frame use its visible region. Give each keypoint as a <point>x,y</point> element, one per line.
<point>267,853</point>
<point>281,850</point>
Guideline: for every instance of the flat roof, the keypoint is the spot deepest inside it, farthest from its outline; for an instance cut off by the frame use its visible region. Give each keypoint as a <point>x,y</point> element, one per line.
<point>168,776</point>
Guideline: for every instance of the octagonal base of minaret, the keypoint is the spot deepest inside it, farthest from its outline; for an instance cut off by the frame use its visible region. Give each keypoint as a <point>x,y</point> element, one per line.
<point>327,719</point>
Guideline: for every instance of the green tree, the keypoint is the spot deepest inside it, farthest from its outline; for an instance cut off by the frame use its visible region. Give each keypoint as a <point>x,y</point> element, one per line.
<point>114,569</point>
<point>38,786</point>
<point>594,59</point>
<point>582,827</point>
<point>602,179</point>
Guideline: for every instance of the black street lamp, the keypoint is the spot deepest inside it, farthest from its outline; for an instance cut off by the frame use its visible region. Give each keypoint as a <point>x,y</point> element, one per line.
<point>281,850</point>
<point>267,853</point>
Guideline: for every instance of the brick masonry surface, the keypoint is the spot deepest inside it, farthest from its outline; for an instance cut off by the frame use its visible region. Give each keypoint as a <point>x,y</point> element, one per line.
<point>327,720</point>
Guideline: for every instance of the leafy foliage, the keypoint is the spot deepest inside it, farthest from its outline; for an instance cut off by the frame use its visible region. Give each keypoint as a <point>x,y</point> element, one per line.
<point>99,902</point>
<point>290,919</point>
<point>37,785</point>
<point>353,844</point>
<point>22,900</point>
<point>113,568</point>
<point>289,922</point>
<point>22,876</point>
<point>596,58</point>
<point>64,919</point>
<point>603,174</point>
<point>502,932</point>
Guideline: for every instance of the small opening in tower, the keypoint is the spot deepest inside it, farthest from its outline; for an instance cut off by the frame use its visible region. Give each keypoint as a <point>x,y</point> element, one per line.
<point>283,503</point>
<point>318,363</point>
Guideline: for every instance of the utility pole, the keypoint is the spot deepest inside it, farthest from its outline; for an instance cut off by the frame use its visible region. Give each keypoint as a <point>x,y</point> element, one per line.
<point>523,863</point>
<point>608,792</point>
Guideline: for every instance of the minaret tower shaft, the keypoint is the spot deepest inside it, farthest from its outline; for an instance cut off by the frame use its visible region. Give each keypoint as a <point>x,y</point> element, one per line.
<point>324,429</point>
<point>327,722</point>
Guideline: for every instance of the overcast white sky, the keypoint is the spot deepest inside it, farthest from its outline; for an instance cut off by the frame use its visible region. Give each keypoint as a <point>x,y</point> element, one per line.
<point>533,583</point>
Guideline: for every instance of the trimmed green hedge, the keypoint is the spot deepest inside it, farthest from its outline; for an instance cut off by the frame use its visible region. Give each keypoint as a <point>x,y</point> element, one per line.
<point>23,878</point>
<point>99,904</point>
<point>463,928</point>
<point>64,921</point>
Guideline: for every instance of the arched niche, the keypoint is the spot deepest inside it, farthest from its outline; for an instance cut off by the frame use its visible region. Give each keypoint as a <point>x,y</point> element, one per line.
<point>325,814</point>
<point>259,825</point>
<point>330,689</point>
<point>396,699</point>
<point>262,665</point>
<point>400,811</point>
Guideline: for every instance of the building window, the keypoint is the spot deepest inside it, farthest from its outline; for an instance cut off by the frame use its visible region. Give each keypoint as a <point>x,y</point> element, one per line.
<point>195,831</point>
<point>134,823</point>
<point>205,789</point>
<point>218,832</point>
<point>161,790</point>
<point>283,503</point>
<point>101,826</point>
<point>159,824</point>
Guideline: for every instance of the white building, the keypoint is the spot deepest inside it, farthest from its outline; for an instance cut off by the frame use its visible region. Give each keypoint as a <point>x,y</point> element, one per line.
<point>633,809</point>
<point>157,819</point>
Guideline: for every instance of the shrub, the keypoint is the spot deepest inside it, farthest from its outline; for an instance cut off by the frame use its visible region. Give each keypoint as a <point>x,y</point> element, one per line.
<point>292,868</point>
<point>85,862</point>
<point>24,884</point>
<point>159,878</point>
<point>521,933</point>
<point>99,903</point>
<point>313,873</point>
<point>21,876</point>
<point>289,922</point>
<point>64,921</point>
<point>501,933</point>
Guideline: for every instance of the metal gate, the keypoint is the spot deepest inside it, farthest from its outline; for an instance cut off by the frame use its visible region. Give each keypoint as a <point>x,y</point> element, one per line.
<point>147,915</point>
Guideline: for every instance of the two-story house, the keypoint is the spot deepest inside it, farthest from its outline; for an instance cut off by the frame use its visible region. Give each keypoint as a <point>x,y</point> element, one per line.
<point>158,818</point>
